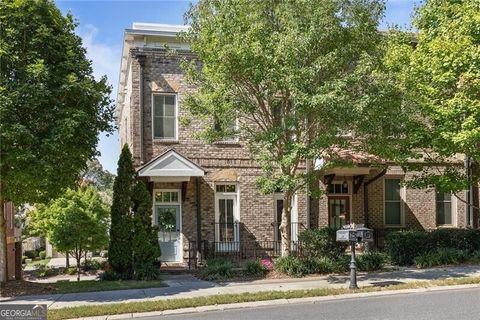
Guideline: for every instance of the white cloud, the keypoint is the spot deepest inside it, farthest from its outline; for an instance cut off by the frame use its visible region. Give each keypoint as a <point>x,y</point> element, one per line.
<point>105,61</point>
<point>105,58</point>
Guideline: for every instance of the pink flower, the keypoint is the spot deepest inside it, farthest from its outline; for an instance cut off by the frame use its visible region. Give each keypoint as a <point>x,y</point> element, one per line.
<point>267,263</point>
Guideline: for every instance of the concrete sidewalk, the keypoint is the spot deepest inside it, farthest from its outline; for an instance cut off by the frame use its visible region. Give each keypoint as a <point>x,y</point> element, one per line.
<point>186,286</point>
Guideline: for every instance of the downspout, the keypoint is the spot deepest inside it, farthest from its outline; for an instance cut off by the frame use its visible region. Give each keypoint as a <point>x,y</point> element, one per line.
<point>198,207</point>
<point>468,203</point>
<point>365,195</point>
<point>307,168</point>
<point>141,62</point>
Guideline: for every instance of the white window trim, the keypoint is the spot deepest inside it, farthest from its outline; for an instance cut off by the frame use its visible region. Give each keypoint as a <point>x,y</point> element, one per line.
<point>350,199</point>
<point>293,215</point>
<point>403,200</point>
<point>235,139</point>
<point>454,208</point>
<point>153,116</point>
<point>236,211</point>
<point>177,203</point>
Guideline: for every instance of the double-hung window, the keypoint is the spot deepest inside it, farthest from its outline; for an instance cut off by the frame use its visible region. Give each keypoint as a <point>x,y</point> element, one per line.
<point>393,203</point>
<point>164,117</point>
<point>444,209</point>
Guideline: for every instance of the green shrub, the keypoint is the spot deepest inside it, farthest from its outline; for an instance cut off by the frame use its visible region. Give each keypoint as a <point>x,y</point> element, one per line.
<point>42,254</point>
<point>321,243</point>
<point>44,271</point>
<point>147,272</point>
<point>91,265</point>
<point>342,263</point>
<point>371,261</point>
<point>109,275</point>
<point>292,266</point>
<point>254,268</point>
<point>404,246</point>
<point>217,269</point>
<point>298,267</point>
<point>475,257</point>
<point>70,271</point>
<point>439,257</point>
<point>31,254</point>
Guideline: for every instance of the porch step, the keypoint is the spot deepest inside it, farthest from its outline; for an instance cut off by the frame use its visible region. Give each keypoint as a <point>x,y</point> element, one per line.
<point>174,268</point>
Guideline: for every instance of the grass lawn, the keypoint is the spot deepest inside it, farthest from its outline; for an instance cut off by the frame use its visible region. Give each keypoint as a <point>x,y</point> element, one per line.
<point>94,285</point>
<point>39,262</point>
<point>160,305</point>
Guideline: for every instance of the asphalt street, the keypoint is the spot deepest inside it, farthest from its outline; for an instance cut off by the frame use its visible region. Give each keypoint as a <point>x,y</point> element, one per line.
<point>458,304</point>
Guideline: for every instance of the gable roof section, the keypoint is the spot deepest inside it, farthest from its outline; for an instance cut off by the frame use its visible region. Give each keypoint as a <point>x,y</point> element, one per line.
<point>170,164</point>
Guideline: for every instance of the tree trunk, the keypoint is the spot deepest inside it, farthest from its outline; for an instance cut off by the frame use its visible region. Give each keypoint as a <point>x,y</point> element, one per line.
<point>78,257</point>
<point>3,241</point>
<point>67,259</point>
<point>285,226</point>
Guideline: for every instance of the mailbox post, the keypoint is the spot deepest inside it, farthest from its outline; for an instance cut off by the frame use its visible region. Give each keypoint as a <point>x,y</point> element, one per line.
<point>354,233</point>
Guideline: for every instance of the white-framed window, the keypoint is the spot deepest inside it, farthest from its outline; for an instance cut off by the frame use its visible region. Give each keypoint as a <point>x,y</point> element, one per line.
<point>338,188</point>
<point>162,196</point>
<point>227,217</point>
<point>393,202</point>
<point>445,209</point>
<point>232,127</point>
<point>164,114</point>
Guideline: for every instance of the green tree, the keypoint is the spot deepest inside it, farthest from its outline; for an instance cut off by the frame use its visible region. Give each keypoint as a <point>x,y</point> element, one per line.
<point>146,248</point>
<point>440,77</point>
<point>120,251</point>
<point>95,174</point>
<point>51,108</point>
<point>77,222</point>
<point>291,73</point>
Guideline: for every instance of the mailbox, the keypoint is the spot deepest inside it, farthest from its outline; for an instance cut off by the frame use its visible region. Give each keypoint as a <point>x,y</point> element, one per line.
<point>354,233</point>
<point>346,235</point>
<point>364,234</point>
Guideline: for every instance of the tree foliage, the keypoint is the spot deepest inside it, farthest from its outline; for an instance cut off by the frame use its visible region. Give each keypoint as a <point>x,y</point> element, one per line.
<point>76,223</point>
<point>99,177</point>
<point>293,74</point>
<point>51,107</point>
<point>120,252</point>
<point>146,248</point>
<point>440,77</point>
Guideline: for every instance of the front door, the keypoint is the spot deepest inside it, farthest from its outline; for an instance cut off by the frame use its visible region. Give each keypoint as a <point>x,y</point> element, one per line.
<point>338,211</point>
<point>168,221</point>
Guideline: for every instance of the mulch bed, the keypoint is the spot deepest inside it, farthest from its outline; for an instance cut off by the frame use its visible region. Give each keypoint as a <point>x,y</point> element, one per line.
<point>22,288</point>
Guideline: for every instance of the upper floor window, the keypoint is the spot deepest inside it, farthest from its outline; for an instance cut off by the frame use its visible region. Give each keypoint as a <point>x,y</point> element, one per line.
<point>444,209</point>
<point>164,117</point>
<point>230,128</point>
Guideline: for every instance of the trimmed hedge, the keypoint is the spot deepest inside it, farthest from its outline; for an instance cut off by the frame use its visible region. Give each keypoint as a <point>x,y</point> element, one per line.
<point>321,243</point>
<point>371,261</point>
<point>404,246</point>
<point>298,267</point>
<point>442,256</point>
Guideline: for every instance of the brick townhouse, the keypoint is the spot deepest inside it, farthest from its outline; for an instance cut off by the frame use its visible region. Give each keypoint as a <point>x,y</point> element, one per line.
<point>206,194</point>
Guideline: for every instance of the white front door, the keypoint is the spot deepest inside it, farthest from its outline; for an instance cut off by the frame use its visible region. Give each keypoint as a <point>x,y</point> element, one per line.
<point>168,221</point>
<point>167,216</point>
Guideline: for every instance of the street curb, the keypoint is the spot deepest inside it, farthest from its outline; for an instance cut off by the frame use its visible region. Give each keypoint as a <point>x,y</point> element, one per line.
<point>266,303</point>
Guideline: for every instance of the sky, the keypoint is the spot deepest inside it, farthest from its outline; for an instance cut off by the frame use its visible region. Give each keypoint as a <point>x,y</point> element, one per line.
<point>102,23</point>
